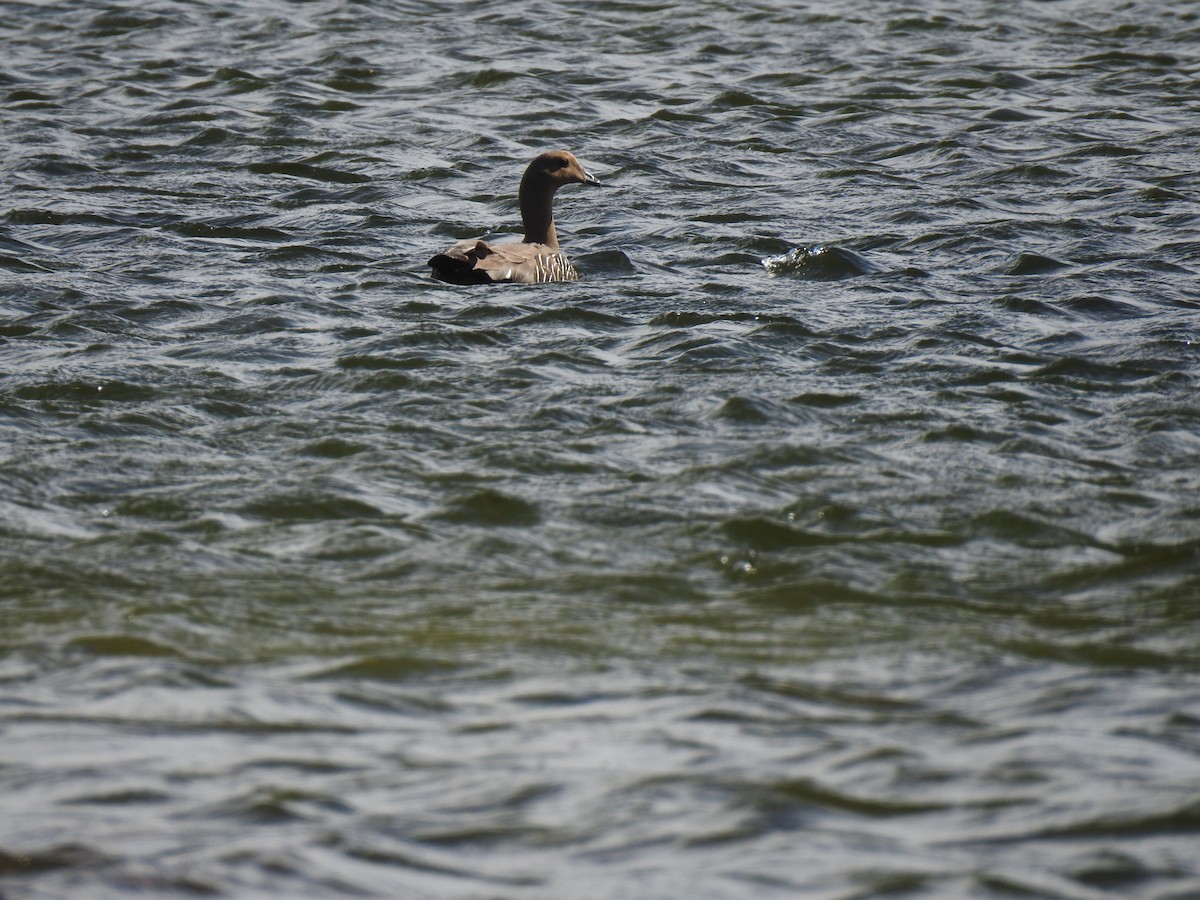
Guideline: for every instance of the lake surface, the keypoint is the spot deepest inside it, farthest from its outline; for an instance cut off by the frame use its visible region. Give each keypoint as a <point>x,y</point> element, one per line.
<point>870,570</point>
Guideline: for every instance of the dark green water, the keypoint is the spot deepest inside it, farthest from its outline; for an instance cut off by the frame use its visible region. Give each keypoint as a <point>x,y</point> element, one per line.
<point>870,572</point>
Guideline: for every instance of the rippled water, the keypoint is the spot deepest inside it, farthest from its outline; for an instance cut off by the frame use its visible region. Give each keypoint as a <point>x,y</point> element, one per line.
<point>837,536</point>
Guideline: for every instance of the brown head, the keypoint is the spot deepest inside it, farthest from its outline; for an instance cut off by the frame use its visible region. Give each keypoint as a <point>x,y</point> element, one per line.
<point>545,175</point>
<point>556,168</point>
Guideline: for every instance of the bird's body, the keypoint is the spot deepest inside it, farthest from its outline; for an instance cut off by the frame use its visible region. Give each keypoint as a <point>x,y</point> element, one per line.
<point>480,262</point>
<point>534,260</point>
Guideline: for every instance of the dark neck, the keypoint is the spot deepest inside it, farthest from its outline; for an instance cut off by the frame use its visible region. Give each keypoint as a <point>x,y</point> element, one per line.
<point>537,211</point>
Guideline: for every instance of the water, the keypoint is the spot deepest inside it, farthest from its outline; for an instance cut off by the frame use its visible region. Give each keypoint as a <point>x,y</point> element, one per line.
<point>838,536</point>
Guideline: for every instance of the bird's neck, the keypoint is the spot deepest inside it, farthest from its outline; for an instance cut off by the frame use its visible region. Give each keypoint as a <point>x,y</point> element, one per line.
<point>537,212</point>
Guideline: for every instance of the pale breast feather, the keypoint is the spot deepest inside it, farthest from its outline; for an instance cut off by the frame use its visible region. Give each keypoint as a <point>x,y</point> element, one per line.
<point>553,267</point>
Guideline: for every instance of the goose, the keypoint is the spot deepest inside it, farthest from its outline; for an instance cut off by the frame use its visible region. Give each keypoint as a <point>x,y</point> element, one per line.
<point>537,258</point>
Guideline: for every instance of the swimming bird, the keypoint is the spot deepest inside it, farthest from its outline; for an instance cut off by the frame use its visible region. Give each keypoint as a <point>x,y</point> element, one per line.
<point>533,260</point>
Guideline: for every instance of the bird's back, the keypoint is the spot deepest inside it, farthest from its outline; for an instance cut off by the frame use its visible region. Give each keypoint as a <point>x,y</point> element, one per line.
<point>480,262</point>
